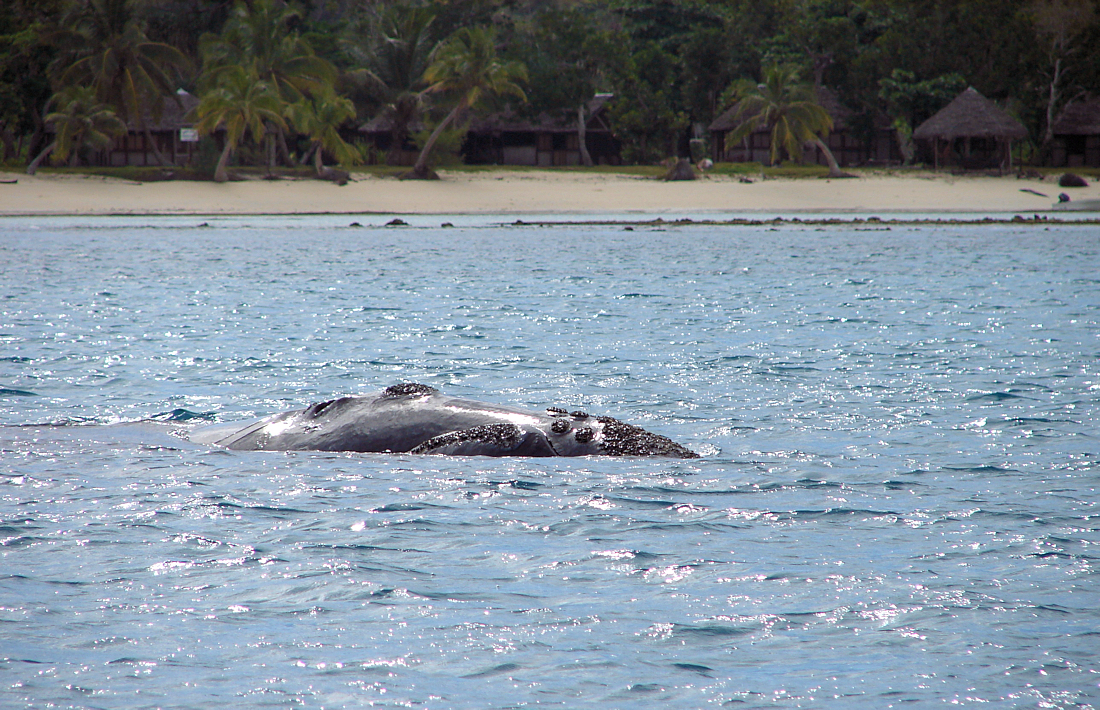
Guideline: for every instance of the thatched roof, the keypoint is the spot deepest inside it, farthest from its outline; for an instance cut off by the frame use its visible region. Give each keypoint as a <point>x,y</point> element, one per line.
<point>825,97</point>
<point>970,115</point>
<point>1079,119</point>
<point>175,113</point>
<point>383,123</point>
<point>560,121</point>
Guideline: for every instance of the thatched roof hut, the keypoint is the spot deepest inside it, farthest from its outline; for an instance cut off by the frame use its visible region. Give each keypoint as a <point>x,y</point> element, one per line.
<point>1081,118</point>
<point>164,129</point>
<point>508,138</point>
<point>849,145</point>
<point>971,117</point>
<point>1077,135</point>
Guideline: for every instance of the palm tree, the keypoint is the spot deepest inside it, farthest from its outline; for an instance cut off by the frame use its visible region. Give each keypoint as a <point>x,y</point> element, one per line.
<point>398,53</point>
<point>320,118</point>
<point>467,65</point>
<point>261,33</point>
<point>81,120</point>
<point>107,49</point>
<point>239,103</point>
<point>788,108</point>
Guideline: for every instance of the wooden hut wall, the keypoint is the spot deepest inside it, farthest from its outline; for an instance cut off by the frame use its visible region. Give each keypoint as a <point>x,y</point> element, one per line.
<point>848,149</point>
<point>1075,151</point>
<point>539,148</point>
<point>133,149</point>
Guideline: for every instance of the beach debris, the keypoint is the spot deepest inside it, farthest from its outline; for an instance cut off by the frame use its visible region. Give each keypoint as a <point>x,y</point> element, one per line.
<point>1033,192</point>
<point>745,180</point>
<point>355,224</point>
<point>1072,180</point>
<point>705,164</point>
<point>1063,197</point>
<point>397,222</point>
<point>446,225</point>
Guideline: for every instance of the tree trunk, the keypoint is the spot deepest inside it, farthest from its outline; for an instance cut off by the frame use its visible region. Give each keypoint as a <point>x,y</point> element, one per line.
<point>220,173</point>
<point>1052,102</point>
<point>398,134</point>
<point>270,141</point>
<point>39,135</point>
<point>308,155</point>
<point>905,145</point>
<point>834,169</point>
<point>33,167</point>
<point>317,163</point>
<point>284,150</point>
<point>420,170</point>
<point>8,140</point>
<point>153,144</point>
<point>582,137</point>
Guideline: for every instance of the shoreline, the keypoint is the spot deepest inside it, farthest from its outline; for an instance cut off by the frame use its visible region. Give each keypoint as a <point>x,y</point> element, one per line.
<point>548,193</point>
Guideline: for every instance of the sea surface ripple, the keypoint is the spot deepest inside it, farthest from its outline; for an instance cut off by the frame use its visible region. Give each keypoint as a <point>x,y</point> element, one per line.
<point>896,505</point>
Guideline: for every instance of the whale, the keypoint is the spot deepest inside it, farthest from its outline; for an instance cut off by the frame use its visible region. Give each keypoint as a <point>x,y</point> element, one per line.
<point>414,418</point>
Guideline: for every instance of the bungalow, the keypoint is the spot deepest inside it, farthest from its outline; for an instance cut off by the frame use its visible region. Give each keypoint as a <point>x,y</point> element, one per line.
<point>971,132</point>
<point>550,139</point>
<point>173,133</point>
<point>379,135</point>
<point>847,145</point>
<point>1077,135</point>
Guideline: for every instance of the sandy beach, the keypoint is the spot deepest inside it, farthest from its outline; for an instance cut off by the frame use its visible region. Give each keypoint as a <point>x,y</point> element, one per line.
<point>537,192</point>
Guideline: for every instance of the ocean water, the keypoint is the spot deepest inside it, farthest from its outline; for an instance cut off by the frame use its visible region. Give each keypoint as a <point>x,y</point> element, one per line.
<point>896,504</point>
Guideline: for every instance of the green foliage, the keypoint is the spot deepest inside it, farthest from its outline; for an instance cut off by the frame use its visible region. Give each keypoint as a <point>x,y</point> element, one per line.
<point>915,101</point>
<point>82,122</point>
<point>570,56</point>
<point>467,68</point>
<point>665,60</point>
<point>782,104</point>
<point>240,103</point>
<point>390,54</point>
<point>262,34</point>
<point>103,45</point>
<point>646,113</point>
<point>24,58</point>
<point>447,152</point>
<point>320,117</point>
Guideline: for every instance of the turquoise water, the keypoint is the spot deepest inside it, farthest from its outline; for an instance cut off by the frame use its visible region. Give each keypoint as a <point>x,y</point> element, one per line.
<point>896,504</point>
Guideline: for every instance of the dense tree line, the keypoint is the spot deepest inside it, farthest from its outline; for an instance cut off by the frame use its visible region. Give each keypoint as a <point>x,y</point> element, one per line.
<point>288,81</point>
